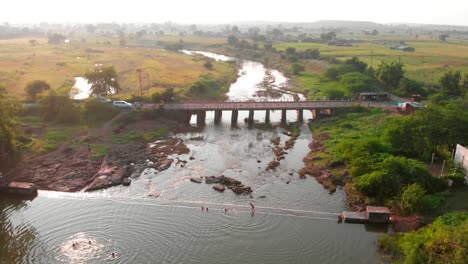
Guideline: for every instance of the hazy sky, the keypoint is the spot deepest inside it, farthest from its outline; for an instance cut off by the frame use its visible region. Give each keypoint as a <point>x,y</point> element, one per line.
<point>454,12</point>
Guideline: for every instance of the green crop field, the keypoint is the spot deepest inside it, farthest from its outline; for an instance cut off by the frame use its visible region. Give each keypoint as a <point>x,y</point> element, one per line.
<point>430,60</point>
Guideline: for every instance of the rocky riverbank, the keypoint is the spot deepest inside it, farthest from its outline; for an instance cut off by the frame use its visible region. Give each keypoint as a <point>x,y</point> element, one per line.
<point>72,169</point>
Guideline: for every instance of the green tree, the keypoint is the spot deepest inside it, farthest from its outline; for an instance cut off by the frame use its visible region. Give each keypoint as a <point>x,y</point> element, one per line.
<point>36,87</point>
<point>356,82</point>
<point>290,50</point>
<point>390,74</point>
<point>334,94</point>
<point>443,241</point>
<point>464,86</point>
<point>450,83</point>
<point>360,66</point>
<point>232,40</point>
<point>56,38</point>
<point>268,46</point>
<point>443,37</point>
<point>9,127</point>
<point>297,68</point>
<point>103,81</point>
<point>59,108</point>
<point>328,36</point>
<point>409,87</point>
<point>334,73</point>
<point>411,198</point>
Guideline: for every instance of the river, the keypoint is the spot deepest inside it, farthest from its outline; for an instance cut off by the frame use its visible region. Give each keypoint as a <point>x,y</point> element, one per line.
<point>158,219</point>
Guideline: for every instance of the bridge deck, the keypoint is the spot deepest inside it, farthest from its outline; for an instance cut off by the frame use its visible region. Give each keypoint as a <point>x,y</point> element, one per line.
<point>210,106</point>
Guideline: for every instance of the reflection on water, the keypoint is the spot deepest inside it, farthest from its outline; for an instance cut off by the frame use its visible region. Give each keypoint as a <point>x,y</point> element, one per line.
<point>18,238</point>
<point>81,89</point>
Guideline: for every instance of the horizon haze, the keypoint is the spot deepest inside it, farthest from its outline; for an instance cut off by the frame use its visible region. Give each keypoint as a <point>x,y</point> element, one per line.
<point>452,12</point>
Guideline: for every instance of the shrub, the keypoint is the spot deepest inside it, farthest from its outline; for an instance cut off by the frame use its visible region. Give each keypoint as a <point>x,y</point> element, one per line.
<point>297,68</point>
<point>96,111</point>
<point>411,198</point>
<point>58,108</point>
<point>36,87</point>
<point>356,82</point>
<point>334,73</point>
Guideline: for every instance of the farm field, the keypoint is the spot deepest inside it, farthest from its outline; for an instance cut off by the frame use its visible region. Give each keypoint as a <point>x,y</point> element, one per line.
<point>21,63</point>
<point>431,59</point>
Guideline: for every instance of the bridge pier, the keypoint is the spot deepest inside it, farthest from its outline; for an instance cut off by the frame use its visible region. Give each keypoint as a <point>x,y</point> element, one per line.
<point>316,114</point>
<point>283,116</point>
<point>235,114</point>
<point>300,115</point>
<point>186,117</point>
<point>217,117</point>
<point>319,113</point>
<point>201,115</point>
<point>251,116</point>
<point>267,116</point>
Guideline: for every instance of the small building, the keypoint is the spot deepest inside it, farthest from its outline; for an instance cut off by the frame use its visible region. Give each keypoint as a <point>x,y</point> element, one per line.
<point>377,214</point>
<point>373,96</point>
<point>416,98</point>
<point>404,48</point>
<point>409,107</point>
<point>18,188</point>
<point>461,158</point>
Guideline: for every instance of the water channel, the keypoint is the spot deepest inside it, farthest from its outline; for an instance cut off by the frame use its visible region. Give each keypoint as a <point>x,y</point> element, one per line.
<point>158,219</point>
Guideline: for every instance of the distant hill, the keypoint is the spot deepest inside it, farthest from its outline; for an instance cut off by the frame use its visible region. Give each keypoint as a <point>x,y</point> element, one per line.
<point>346,23</point>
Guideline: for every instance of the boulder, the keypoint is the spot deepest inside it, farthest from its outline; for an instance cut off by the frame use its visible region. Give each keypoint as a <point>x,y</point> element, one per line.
<point>272,165</point>
<point>196,180</point>
<point>213,179</point>
<point>126,182</point>
<point>164,164</point>
<point>219,188</point>
<point>241,189</point>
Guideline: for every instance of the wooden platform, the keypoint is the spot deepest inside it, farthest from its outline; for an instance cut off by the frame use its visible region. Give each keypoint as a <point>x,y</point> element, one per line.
<point>354,217</point>
<point>19,188</point>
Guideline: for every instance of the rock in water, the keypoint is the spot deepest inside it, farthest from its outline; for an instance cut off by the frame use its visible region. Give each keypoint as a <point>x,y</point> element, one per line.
<point>126,182</point>
<point>219,188</point>
<point>196,180</point>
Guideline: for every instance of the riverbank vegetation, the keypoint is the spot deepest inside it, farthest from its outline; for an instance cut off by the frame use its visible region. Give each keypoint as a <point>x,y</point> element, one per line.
<point>443,241</point>
<point>385,155</point>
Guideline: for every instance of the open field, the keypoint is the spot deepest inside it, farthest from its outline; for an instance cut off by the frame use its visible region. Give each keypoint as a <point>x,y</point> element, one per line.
<point>21,63</point>
<point>430,60</point>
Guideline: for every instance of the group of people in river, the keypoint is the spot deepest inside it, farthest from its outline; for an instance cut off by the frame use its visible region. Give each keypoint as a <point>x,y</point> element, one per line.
<point>75,246</point>
<point>252,209</point>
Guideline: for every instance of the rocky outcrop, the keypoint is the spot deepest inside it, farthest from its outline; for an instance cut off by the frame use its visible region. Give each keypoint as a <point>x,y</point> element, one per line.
<point>232,184</point>
<point>108,176</point>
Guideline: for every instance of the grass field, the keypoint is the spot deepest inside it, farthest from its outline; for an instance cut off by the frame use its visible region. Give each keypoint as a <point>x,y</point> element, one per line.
<point>430,60</point>
<point>21,63</point>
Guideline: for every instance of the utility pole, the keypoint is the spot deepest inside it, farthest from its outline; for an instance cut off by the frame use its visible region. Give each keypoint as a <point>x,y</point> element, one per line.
<point>371,58</point>
<point>139,79</point>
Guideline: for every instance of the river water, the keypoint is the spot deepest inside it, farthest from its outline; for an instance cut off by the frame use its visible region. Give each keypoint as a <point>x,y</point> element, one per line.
<point>158,219</point>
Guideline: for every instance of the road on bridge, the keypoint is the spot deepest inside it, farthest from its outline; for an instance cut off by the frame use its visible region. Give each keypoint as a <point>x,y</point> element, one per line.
<point>251,105</point>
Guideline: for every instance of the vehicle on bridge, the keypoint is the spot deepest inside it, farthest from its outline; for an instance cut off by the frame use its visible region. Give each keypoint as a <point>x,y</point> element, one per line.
<point>122,104</point>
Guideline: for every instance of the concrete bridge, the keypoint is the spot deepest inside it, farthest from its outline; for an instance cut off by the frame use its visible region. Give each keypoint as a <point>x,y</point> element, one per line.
<point>317,107</point>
